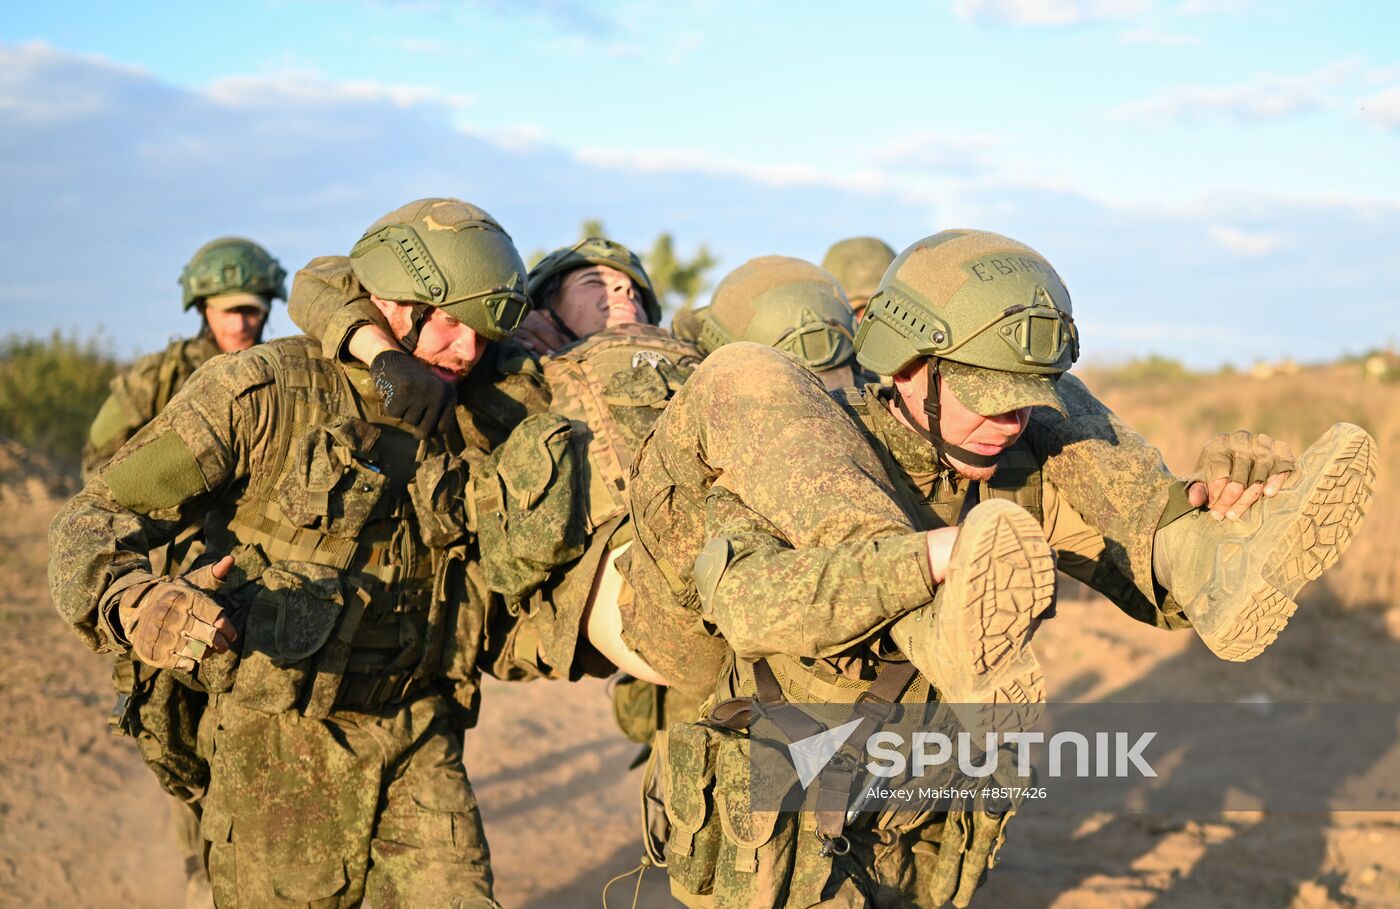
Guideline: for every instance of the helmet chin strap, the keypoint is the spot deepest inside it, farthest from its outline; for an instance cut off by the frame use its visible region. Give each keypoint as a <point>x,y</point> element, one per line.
<point>934,434</point>
<point>421,313</point>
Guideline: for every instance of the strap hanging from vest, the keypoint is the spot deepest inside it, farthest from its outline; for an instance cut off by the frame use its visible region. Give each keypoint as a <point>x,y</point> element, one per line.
<point>874,706</point>
<point>934,434</point>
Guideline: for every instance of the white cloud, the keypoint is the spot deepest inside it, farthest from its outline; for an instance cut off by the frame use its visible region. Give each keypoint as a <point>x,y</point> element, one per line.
<point>1047,12</point>
<point>159,169</point>
<point>301,88</point>
<point>935,152</point>
<point>1383,108</point>
<point>1244,242</point>
<point>1268,99</point>
<point>1212,7</point>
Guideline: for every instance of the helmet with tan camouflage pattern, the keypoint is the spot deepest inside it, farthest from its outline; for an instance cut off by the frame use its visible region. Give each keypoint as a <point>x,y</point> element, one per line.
<point>450,255</point>
<point>784,303</point>
<point>858,264</point>
<point>232,265</point>
<point>596,251</point>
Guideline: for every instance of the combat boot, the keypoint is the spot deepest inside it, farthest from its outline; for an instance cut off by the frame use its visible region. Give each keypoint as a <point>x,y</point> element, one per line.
<point>1236,580</point>
<point>973,641</point>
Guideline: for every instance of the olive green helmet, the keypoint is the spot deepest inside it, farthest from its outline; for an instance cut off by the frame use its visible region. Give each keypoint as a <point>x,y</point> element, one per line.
<point>970,297</point>
<point>598,251</point>
<point>447,254</point>
<point>858,264</point>
<point>784,303</point>
<point>232,265</point>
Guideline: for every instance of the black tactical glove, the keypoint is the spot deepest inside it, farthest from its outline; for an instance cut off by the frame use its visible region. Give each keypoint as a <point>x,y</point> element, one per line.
<point>410,391</point>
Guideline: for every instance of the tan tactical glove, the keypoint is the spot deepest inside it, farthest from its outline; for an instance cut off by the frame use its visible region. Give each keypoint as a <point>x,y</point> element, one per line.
<point>1235,469</point>
<point>172,622</point>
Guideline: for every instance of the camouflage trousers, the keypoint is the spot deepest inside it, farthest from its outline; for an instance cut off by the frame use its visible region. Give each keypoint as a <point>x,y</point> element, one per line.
<point>324,813</point>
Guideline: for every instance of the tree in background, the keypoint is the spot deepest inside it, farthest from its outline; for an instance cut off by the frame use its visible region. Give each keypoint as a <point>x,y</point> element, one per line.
<point>678,281</point>
<point>51,388</point>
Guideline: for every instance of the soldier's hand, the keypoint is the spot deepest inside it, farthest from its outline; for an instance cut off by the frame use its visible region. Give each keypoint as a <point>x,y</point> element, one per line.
<point>410,391</point>
<point>175,622</point>
<point>539,335</point>
<point>1235,469</point>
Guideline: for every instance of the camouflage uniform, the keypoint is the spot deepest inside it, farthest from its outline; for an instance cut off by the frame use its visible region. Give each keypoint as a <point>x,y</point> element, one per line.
<point>140,393</point>
<point>332,731</point>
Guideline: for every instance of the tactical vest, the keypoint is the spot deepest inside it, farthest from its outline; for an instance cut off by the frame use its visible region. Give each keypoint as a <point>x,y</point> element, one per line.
<point>349,543</point>
<point>613,387</point>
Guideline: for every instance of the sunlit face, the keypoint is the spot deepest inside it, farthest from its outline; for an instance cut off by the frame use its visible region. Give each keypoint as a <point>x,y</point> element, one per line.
<point>235,329</point>
<point>450,347</point>
<point>595,297</point>
<point>858,304</point>
<point>958,425</point>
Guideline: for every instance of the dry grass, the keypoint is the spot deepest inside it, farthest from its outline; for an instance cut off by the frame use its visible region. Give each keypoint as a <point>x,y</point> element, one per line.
<point>1178,413</point>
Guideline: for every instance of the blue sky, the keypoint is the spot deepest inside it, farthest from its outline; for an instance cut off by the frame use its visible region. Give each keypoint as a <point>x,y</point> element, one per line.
<point>1216,179</point>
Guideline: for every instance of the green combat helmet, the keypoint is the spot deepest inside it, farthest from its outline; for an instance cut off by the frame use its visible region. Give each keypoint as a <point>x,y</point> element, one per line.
<point>445,254</point>
<point>595,251</point>
<point>232,265</point>
<point>784,303</point>
<point>989,315</point>
<point>858,264</point>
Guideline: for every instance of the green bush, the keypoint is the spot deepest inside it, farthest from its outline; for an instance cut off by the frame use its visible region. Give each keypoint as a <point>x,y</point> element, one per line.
<point>51,388</point>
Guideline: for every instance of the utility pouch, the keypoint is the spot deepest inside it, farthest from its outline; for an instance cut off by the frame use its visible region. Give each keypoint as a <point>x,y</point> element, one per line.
<point>329,484</point>
<point>527,507</point>
<point>292,616</point>
<point>756,853</point>
<point>693,843</point>
<point>437,491</point>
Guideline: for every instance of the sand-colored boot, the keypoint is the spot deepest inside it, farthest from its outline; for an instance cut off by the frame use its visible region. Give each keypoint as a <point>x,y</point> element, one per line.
<point>973,641</point>
<point>1237,580</point>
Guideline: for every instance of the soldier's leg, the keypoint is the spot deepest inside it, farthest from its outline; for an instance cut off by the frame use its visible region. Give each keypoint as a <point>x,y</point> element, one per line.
<point>974,641</point>
<point>290,807</point>
<point>1237,580</point>
<point>429,848</point>
<point>184,822</point>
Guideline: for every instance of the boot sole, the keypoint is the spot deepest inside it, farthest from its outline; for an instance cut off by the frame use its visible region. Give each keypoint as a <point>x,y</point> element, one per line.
<point>1324,527</point>
<point>1003,578</point>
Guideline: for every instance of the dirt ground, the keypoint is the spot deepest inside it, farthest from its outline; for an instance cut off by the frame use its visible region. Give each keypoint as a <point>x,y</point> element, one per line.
<point>82,822</point>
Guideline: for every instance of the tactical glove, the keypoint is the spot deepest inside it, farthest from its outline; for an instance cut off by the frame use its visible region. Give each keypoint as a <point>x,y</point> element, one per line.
<point>170,621</point>
<point>410,391</point>
<point>1243,457</point>
<point>1235,467</point>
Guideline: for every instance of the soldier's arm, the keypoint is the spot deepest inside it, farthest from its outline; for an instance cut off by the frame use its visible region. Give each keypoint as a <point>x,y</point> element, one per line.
<point>1109,475</point>
<point>159,483</point>
<point>766,597</point>
<point>1085,555</point>
<point>328,303</point>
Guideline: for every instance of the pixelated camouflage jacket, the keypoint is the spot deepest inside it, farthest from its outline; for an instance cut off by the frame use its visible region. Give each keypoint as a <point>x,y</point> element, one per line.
<point>141,392</point>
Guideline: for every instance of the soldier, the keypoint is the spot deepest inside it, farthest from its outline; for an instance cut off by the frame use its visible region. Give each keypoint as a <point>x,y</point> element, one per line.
<point>790,305</point>
<point>338,636</point>
<point>232,283</point>
<point>793,547</point>
<point>858,264</point>
<point>611,382</point>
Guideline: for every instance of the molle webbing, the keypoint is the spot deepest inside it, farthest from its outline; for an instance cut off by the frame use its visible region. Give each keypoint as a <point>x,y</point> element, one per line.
<point>1018,479</point>
<point>578,378</point>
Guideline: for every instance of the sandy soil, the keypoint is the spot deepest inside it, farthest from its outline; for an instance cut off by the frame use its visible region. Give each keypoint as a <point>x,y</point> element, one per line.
<point>82,822</point>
